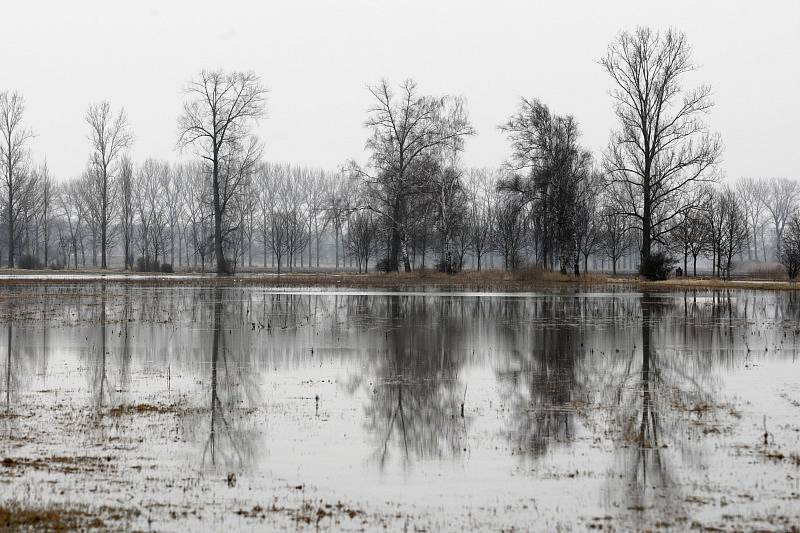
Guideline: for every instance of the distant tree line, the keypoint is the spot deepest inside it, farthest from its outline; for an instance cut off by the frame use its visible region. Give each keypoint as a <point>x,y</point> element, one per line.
<point>652,199</point>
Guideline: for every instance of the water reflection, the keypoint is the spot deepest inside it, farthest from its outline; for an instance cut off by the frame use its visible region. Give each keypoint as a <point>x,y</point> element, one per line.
<point>414,409</point>
<point>9,351</point>
<point>413,381</point>
<point>232,393</point>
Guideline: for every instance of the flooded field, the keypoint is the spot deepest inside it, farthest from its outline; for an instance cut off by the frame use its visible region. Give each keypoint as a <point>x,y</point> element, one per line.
<point>171,409</point>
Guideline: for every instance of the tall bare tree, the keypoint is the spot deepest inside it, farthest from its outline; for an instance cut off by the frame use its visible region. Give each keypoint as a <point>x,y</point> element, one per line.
<point>126,208</point>
<point>753,193</point>
<point>616,239</point>
<point>47,193</point>
<point>663,149</point>
<point>110,135</point>
<point>781,203</point>
<point>14,160</point>
<point>406,128</point>
<point>481,187</point>
<point>217,120</point>
<point>549,170</point>
<point>733,229</point>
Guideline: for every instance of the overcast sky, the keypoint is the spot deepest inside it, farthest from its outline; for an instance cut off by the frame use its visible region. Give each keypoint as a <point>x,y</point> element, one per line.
<point>317,58</point>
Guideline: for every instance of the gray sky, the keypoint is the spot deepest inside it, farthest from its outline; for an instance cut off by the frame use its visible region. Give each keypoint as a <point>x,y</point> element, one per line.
<point>317,57</point>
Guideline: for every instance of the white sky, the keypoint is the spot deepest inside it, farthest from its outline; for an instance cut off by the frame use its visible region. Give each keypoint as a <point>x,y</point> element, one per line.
<point>317,58</point>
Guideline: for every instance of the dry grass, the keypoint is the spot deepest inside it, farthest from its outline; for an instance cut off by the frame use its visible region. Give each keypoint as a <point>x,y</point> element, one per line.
<point>485,280</point>
<point>178,409</point>
<point>22,519</point>
<point>307,513</point>
<point>520,280</point>
<point>16,517</point>
<point>715,283</point>
<point>60,464</point>
<point>142,408</point>
<point>768,271</point>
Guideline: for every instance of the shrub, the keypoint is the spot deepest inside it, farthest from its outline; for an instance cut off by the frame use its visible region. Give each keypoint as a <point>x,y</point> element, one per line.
<point>386,265</point>
<point>230,266</point>
<point>441,266</point>
<point>145,264</point>
<point>29,262</point>
<point>166,268</point>
<point>657,266</point>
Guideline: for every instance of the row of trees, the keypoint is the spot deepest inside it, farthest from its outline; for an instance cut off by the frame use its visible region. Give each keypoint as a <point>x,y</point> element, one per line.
<point>653,192</point>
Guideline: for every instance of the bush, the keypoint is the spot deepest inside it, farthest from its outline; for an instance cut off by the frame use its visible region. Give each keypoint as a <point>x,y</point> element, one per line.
<point>166,268</point>
<point>386,265</point>
<point>147,265</point>
<point>441,266</point>
<point>29,262</point>
<point>657,266</point>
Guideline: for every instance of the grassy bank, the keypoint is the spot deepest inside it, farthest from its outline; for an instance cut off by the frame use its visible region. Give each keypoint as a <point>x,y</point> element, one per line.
<point>487,280</point>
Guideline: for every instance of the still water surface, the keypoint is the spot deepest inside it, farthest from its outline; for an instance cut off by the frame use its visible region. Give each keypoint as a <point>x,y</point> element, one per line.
<point>437,410</point>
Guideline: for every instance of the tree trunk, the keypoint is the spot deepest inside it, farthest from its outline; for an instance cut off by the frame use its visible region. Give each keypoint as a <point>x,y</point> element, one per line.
<point>10,221</point>
<point>222,268</point>
<point>104,220</point>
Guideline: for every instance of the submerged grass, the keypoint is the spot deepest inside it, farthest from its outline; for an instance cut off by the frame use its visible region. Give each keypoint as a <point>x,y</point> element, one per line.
<point>18,517</point>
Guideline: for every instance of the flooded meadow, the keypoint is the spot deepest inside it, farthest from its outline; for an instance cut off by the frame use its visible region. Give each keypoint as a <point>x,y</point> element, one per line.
<point>134,407</point>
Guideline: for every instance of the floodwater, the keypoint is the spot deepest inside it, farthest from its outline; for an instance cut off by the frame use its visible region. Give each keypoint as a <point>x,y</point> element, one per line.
<point>226,408</point>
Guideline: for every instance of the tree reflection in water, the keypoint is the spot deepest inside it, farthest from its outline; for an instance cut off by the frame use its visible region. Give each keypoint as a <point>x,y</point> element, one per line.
<point>100,379</point>
<point>640,371</point>
<point>664,404</point>
<point>231,442</point>
<point>414,407</point>
<point>626,387</point>
<point>541,371</point>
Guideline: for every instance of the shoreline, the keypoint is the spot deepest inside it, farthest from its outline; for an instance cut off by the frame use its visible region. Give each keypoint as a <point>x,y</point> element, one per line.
<point>488,280</point>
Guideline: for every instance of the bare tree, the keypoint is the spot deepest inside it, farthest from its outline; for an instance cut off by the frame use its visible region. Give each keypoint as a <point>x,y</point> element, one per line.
<point>199,212</point>
<point>449,199</point>
<point>692,237</point>
<point>109,135</point>
<point>781,202</point>
<point>217,119</point>
<point>362,237</point>
<point>406,129</point>
<point>615,236</point>
<point>126,208</point>
<point>172,208</point>
<point>752,193</point>
<point>265,184</point>
<point>480,186</point>
<point>549,169</point>
<point>790,252</point>
<point>47,195</point>
<point>339,204</point>
<point>510,234</point>
<point>588,221</point>
<point>733,230</point>
<point>14,157</point>
<point>663,149</point>
<point>151,211</point>
<point>90,185</point>
<point>70,200</point>
<point>315,187</point>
